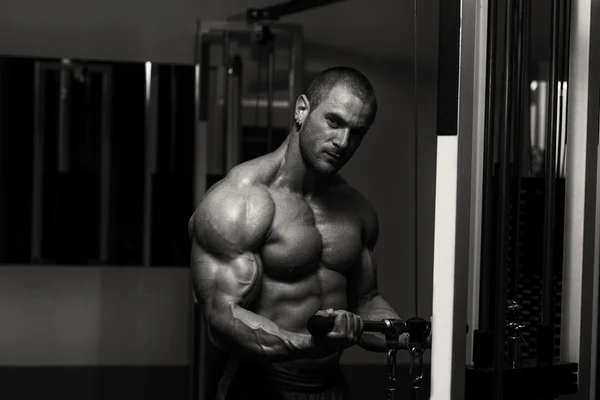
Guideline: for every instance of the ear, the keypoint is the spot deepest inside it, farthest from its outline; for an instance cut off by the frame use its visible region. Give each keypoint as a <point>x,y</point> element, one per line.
<point>302,110</point>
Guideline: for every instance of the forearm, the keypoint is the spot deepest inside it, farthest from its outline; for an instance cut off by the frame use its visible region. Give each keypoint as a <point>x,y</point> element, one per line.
<point>376,309</point>
<point>259,336</point>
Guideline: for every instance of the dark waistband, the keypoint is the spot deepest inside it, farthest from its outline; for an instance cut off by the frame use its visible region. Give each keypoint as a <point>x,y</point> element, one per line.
<point>282,379</point>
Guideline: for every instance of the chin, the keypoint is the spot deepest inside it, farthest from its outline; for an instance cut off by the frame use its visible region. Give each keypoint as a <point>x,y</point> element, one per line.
<point>325,168</point>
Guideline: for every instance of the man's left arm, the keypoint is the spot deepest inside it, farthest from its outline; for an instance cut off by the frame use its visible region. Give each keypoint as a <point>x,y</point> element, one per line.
<point>363,292</point>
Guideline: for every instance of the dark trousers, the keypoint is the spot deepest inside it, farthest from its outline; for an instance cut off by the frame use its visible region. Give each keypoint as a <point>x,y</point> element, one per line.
<point>253,381</point>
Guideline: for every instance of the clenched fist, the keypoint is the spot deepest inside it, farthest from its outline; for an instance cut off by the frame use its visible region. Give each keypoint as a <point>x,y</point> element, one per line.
<point>346,332</point>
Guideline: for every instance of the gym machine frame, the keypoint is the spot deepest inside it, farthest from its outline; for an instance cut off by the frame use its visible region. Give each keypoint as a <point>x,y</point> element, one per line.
<point>204,31</point>
<point>458,218</point>
<point>64,68</point>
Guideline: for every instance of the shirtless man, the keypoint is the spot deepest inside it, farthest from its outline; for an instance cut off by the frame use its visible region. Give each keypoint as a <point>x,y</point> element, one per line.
<point>283,237</point>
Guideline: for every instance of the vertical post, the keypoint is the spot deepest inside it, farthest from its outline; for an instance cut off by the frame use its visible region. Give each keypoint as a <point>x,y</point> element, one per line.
<point>500,275</point>
<point>233,111</point>
<point>488,159</point>
<point>563,59</point>
<point>173,118</point>
<point>202,69</point>
<point>37,217</point>
<point>199,330</point>
<point>455,227</point>
<point>296,69</point>
<point>225,126</point>
<point>151,135</point>
<point>593,325</point>
<point>291,80</point>
<point>63,115</point>
<point>105,164</point>
<point>2,136</point>
<point>564,92</point>
<point>270,83</point>
<point>581,256</point>
<point>481,77</point>
<point>521,63</point>
<point>546,329</point>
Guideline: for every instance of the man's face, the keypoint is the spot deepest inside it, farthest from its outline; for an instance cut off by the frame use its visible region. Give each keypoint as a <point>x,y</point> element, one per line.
<point>333,131</point>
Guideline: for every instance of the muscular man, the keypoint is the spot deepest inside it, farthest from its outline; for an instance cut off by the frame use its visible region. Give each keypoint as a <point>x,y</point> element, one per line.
<point>283,237</point>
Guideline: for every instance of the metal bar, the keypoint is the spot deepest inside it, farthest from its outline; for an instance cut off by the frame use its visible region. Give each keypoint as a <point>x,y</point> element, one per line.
<point>458,174</point>
<point>500,274</point>
<point>258,100</point>
<point>563,78</point>
<point>560,79</point>
<point>416,155</point>
<point>37,217</point>
<point>2,136</point>
<point>233,112</point>
<point>579,318</point>
<point>291,82</point>
<point>567,49</point>
<point>262,103</point>
<point>295,71</point>
<point>485,297</point>
<point>63,116</point>
<point>545,347</point>
<point>277,11</point>
<point>105,165</point>
<point>517,127</point>
<point>270,90</point>
<point>209,27</point>
<point>173,118</point>
<point>238,94</point>
<point>226,100</point>
<point>526,104</point>
<point>151,115</point>
<point>477,171</point>
<point>199,328</point>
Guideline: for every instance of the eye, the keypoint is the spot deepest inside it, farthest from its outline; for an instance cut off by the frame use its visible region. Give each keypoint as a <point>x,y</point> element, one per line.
<point>333,123</point>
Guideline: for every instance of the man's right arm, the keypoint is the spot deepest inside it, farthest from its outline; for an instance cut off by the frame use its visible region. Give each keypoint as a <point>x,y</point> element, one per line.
<point>227,231</point>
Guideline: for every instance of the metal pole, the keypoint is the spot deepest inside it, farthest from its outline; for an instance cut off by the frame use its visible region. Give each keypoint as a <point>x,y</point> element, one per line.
<point>502,210</point>
<point>270,90</point>
<point>2,198</point>
<point>199,332</point>
<point>291,81</point>
<point>150,158</point>
<point>173,118</point>
<point>562,78</point>
<point>486,293</point>
<point>226,101</point>
<point>567,49</point>
<point>63,114</point>
<point>579,315</point>
<point>521,62</point>
<point>105,165</point>
<point>546,331</point>
<point>233,110</point>
<point>416,156</point>
<point>37,216</point>
<point>296,70</point>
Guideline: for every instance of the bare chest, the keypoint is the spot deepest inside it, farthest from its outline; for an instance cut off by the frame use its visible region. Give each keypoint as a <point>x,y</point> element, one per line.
<point>308,235</point>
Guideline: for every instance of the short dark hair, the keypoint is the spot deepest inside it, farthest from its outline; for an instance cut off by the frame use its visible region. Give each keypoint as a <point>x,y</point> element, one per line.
<point>350,78</point>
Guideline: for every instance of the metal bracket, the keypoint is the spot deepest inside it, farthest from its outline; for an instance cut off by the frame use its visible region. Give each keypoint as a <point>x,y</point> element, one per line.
<point>274,12</point>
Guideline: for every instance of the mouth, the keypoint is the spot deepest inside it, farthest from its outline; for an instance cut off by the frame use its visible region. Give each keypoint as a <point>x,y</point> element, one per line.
<point>336,157</point>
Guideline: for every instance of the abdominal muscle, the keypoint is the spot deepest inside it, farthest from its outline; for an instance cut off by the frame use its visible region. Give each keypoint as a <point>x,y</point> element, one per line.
<point>289,304</point>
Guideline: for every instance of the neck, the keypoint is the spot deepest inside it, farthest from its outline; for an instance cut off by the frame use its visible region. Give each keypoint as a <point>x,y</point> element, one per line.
<point>294,173</point>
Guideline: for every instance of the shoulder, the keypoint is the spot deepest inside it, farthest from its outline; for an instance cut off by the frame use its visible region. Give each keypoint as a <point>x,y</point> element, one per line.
<point>364,209</point>
<point>235,215</point>
<point>240,195</point>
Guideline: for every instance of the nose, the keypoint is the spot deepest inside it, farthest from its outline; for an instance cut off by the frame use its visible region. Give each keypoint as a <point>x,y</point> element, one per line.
<point>342,139</point>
